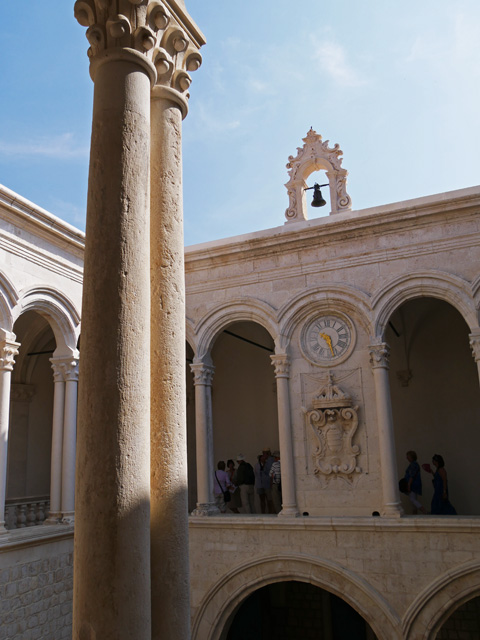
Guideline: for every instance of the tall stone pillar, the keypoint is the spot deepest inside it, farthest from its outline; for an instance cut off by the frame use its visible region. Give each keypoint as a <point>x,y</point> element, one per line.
<point>112,502</point>
<point>282,374</point>
<point>8,351</point>
<point>57,442</point>
<point>69,440</point>
<point>169,486</point>
<point>379,360</point>
<point>203,376</point>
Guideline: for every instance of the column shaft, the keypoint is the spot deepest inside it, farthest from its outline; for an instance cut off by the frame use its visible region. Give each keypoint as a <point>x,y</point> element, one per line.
<point>203,375</point>
<point>169,486</point>
<point>289,500</point>
<point>69,450</point>
<point>379,355</point>
<point>8,350</point>
<point>57,446</point>
<point>112,527</point>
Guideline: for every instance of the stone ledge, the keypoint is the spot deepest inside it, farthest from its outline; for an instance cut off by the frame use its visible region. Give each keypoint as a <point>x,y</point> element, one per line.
<point>428,524</point>
<point>33,536</point>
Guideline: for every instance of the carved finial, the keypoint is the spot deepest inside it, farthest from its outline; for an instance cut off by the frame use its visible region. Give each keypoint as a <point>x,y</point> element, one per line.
<point>331,395</point>
<point>316,155</point>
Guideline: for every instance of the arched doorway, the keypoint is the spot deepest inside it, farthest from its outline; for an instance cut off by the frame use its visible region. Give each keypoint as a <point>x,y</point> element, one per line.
<point>435,395</point>
<point>463,623</point>
<point>292,610</point>
<point>244,399</point>
<point>30,431</point>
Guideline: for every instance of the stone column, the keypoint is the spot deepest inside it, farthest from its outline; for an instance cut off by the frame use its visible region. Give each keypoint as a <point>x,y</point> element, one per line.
<point>70,369</point>
<point>282,374</point>
<point>169,481</point>
<point>379,360</point>
<point>8,351</point>
<point>112,502</point>
<point>475,346</point>
<point>57,442</point>
<point>203,376</point>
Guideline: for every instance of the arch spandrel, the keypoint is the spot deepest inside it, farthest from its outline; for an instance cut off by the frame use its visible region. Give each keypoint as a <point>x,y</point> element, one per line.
<point>331,296</point>
<point>316,155</point>
<point>426,284</point>
<point>229,592</point>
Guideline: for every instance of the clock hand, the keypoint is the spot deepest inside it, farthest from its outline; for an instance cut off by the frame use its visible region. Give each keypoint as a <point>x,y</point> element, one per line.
<point>328,340</point>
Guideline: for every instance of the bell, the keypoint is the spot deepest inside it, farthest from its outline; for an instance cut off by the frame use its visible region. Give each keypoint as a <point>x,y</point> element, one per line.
<point>318,200</point>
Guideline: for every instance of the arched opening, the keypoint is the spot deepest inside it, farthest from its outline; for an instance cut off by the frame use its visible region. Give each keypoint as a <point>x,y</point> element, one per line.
<point>191,434</point>
<point>435,396</point>
<point>463,623</point>
<point>30,431</point>
<point>244,399</point>
<point>292,610</point>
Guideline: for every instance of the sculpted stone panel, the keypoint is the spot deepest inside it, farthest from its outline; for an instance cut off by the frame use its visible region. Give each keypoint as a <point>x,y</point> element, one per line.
<point>332,422</point>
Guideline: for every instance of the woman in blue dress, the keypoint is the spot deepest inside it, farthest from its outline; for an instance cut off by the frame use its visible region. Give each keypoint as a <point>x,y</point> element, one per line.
<point>440,502</point>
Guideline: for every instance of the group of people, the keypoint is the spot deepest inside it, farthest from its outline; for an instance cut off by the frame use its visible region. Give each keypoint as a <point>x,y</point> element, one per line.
<point>411,485</point>
<point>236,489</point>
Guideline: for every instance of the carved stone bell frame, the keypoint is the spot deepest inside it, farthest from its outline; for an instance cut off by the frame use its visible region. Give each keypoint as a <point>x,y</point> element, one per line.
<point>316,155</point>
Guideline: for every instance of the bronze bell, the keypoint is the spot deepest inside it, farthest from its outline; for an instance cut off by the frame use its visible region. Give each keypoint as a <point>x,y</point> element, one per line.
<point>318,200</point>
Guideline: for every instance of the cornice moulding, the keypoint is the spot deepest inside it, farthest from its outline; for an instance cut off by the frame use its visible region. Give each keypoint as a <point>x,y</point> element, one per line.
<point>44,223</point>
<point>405,214</point>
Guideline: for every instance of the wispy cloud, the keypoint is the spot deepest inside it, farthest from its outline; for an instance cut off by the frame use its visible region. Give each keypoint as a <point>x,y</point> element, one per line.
<point>69,212</point>
<point>334,61</point>
<point>60,147</point>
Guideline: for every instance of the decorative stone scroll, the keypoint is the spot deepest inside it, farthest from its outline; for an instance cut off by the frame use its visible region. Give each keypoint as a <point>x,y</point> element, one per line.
<point>316,155</point>
<point>162,33</point>
<point>334,421</point>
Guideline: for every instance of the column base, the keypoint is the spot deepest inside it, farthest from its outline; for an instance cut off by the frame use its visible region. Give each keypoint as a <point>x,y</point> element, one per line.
<point>289,512</point>
<point>393,510</point>
<point>206,509</point>
<point>68,517</point>
<point>54,517</point>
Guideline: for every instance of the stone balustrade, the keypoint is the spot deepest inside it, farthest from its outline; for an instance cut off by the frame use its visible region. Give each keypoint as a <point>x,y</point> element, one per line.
<point>26,512</point>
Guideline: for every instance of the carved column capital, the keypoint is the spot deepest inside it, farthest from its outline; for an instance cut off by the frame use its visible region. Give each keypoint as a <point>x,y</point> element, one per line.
<point>202,373</point>
<point>379,356</point>
<point>65,369</point>
<point>160,32</point>
<point>475,344</point>
<point>8,351</point>
<point>281,364</point>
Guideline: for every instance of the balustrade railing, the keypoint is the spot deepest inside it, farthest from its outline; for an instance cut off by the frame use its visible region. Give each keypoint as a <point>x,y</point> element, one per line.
<point>26,512</point>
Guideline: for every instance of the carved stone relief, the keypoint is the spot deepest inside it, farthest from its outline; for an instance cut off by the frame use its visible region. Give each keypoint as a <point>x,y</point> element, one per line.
<point>333,421</point>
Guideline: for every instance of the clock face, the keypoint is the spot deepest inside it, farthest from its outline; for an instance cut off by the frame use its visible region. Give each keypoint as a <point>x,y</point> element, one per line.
<point>328,338</point>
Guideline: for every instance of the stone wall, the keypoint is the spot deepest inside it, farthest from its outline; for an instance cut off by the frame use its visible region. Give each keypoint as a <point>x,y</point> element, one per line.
<point>36,586</point>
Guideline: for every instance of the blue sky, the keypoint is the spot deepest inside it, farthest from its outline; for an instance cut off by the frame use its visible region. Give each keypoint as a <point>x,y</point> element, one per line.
<point>396,84</point>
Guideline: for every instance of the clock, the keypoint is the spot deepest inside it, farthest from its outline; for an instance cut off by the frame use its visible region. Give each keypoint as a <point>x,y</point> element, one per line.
<point>328,338</point>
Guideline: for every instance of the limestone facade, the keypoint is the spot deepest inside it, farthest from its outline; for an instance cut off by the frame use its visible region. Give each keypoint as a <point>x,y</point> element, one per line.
<point>396,290</point>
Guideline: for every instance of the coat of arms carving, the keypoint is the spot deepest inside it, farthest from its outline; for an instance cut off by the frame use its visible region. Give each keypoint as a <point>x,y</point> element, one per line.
<point>334,421</point>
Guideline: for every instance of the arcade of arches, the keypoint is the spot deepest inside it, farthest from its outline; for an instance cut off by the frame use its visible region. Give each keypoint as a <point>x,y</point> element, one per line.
<point>258,375</point>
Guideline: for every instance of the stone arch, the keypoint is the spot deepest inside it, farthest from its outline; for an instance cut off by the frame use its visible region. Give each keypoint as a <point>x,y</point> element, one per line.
<point>436,603</point>
<point>190,336</point>
<point>8,300</point>
<point>347,299</point>
<point>223,599</point>
<point>60,312</point>
<point>240,310</point>
<point>433,284</point>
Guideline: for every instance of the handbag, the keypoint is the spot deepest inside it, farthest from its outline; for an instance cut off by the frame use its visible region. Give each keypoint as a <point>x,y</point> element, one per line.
<point>226,494</point>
